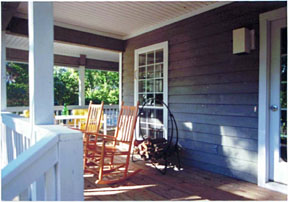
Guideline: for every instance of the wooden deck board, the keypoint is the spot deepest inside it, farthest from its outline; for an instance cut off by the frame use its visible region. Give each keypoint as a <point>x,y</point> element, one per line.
<point>187,184</point>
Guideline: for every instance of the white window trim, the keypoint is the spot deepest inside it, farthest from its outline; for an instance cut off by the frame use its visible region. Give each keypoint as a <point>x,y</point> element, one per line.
<point>164,46</point>
<point>264,98</point>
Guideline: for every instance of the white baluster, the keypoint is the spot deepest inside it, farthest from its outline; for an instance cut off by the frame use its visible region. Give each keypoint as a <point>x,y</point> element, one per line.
<point>50,184</point>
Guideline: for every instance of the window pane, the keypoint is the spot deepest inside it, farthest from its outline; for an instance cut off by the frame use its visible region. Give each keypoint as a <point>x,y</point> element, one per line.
<point>142,59</point>
<point>284,68</point>
<point>159,70</point>
<point>284,41</point>
<point>142,86</point>
<point>152,123</point>
<point>142,73</point>
<point>159,116</point>
<point>148,97</point>
<point>150,58</point>
<point>159,56</point>
<point>150,71</point>
<point>141,98</point>
<point>283,96</point>
<point>150,85</point>
<point>158,85</point>
<point>159,96</point>
<point>283,135</point>
<point>159,133</point>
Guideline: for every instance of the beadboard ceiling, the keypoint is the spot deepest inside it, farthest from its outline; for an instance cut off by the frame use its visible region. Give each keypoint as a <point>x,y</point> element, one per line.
<point>124,19</point>
<point>121,20</point>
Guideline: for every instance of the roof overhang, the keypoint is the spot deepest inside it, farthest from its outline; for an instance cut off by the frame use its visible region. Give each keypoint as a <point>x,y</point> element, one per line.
<point>99,29</point>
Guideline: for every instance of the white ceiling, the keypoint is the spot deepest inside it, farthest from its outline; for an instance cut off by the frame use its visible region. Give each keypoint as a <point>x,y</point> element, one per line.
<point>122,19</point>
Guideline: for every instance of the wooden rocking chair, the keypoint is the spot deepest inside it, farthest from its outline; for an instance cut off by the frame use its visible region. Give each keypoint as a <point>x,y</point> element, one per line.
<point>93,122</point>
<point>108,168</point>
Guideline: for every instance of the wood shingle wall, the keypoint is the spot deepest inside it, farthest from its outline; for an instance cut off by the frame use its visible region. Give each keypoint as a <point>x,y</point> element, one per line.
<point>213,94</point>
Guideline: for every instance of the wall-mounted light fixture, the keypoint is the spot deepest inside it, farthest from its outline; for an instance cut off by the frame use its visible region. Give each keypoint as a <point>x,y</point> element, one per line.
<point>243,40</point>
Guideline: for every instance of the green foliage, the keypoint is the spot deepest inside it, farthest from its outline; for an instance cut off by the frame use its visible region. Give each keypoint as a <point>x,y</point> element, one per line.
<point>65,86</point>
<point>17,84</point>
<point>99,86</point>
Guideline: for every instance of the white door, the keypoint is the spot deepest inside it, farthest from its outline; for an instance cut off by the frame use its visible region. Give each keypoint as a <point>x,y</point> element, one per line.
<point>151,83</point>
<point>278,170</point>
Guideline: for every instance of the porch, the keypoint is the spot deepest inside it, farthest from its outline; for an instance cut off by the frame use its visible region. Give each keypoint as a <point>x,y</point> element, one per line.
<point>188,184</point>
<point>212,92</point>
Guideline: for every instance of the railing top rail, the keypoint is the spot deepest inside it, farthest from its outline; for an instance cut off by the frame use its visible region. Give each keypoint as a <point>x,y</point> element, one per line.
<point>15,122</point>
<point>16,109</point>
<point>69,107</point>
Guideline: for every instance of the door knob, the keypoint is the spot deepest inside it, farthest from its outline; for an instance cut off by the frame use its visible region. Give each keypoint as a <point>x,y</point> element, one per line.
<point>274,108</point>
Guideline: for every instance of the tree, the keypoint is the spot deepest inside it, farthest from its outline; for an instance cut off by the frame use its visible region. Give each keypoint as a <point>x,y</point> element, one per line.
<point>65,86</point>
<point>101,86</point>
<point>17,84</point>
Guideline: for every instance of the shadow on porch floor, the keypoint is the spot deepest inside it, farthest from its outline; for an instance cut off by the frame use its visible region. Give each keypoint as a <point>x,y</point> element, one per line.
<point>188,184</point>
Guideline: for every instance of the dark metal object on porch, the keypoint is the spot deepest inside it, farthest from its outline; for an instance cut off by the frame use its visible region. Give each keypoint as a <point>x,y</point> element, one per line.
<point>159,150</point>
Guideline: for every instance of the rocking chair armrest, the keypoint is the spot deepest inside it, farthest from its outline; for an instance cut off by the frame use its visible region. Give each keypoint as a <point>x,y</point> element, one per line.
<point>116,140</point>
<point>94,133</point>
<point>123,141</point>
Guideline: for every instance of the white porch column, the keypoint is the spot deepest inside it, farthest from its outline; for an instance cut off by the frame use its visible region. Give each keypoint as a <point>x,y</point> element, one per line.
<point>3,72</point>
<point>81,95</point>
<point>41,99</point>
<point>3,101</point>
<point>120,80</point>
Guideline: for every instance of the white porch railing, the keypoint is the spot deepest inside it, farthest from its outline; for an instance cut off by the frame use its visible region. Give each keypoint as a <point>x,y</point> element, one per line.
<point>111,111</point>
<point>50,169</point>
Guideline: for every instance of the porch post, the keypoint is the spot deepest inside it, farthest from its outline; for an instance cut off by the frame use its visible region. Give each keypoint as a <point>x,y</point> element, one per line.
<point>120,80</point>
<point>81,94</point>
<point>3,72</point>
<point>41,100</point>
<point>3,101</point>
<point>41,97</point>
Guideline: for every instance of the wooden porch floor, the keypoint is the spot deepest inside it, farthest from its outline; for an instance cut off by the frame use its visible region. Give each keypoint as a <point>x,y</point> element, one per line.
<point>188,184</point>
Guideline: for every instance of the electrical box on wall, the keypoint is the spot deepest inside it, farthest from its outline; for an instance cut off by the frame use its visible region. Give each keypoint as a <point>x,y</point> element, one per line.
<point>242,40</point>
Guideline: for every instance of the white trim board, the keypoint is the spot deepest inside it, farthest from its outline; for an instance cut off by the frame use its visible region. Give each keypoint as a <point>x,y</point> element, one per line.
<point>264,95</point>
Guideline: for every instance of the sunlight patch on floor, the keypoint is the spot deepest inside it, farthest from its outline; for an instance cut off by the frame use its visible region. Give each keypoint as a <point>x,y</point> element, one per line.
<point>103,193</point>
<point>236,189</point>
<point>114,190</point>
<point>121,188</point>
<point>190,198</point>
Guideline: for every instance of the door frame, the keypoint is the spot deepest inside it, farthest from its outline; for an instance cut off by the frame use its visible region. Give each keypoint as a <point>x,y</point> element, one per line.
<point>265,20</point>
<point>165,46</point>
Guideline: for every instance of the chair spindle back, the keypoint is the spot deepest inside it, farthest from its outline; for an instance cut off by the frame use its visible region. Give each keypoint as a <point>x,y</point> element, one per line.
<point>126,122</point>
<point>94,117</point>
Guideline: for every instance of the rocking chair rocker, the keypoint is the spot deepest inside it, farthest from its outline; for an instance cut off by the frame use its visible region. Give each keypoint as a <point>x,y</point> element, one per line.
<point>108,168</point>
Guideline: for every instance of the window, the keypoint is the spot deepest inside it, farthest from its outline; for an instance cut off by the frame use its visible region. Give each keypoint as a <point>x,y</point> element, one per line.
<point>151,83</point>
